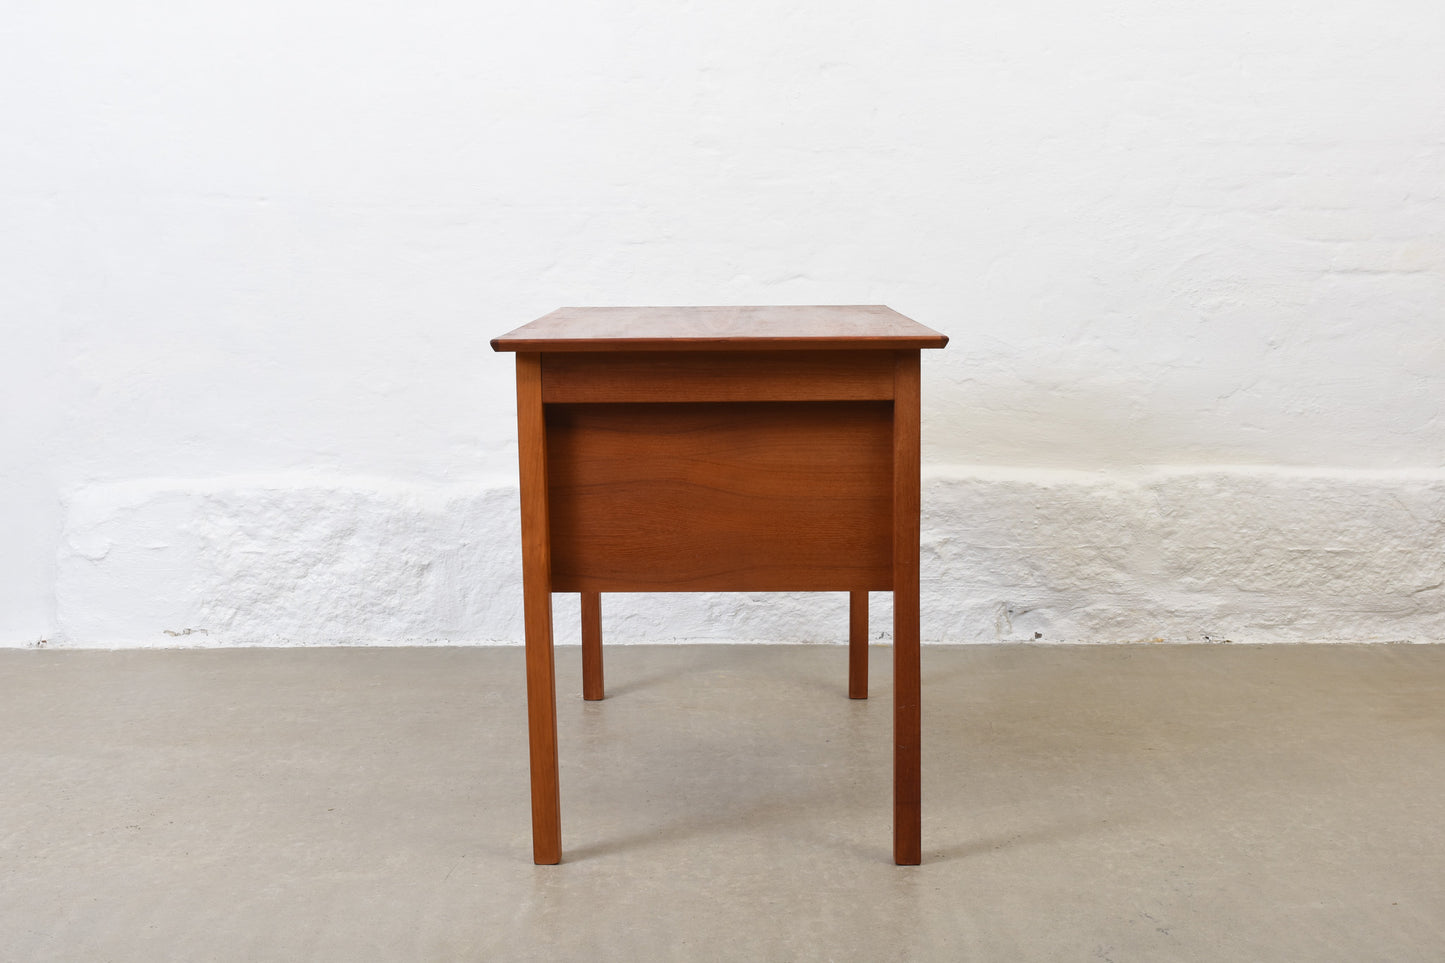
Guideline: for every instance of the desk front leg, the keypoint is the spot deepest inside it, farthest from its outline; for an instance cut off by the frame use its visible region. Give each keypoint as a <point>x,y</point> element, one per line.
<point>537,609</point>
<point>907,719</point>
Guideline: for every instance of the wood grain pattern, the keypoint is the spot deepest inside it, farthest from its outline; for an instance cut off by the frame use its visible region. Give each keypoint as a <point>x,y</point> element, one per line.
<point>592,688</point>
<point>674,376</point>
<point>907,717</point>
<point>736,497</point>
<point>720,328</point>
<point>537,613</point>
<point>857,645</point>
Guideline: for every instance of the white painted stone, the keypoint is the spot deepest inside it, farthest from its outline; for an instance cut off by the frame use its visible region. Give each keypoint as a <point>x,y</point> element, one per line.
<point>1239,555</point>
<point>1007,555</point>
<point>288,561</point>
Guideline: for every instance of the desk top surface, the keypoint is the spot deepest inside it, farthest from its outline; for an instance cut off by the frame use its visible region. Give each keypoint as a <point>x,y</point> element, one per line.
<point>780,327</point>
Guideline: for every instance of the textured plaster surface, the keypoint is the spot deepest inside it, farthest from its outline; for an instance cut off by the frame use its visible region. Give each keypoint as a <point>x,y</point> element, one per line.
<point>1054,556</point>
<point>249,247</point>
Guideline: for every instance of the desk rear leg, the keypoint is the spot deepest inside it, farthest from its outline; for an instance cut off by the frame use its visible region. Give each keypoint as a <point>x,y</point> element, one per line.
<point>592,688</point>
<point>857,645</point>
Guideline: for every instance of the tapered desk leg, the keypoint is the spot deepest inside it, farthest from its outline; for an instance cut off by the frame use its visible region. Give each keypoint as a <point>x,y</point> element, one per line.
<point>537,611</point>
<point>857,645</point>
<point>592,688</point>
<point>907,727</point>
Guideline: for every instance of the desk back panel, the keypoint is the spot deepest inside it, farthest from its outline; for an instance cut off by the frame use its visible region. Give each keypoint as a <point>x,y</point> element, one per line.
<point>742,496</point>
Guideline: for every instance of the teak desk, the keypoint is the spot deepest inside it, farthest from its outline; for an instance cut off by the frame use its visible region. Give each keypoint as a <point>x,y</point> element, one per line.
<point>719,449</point>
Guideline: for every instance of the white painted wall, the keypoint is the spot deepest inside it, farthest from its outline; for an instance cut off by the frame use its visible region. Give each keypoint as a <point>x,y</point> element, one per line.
<point>1190,257</point>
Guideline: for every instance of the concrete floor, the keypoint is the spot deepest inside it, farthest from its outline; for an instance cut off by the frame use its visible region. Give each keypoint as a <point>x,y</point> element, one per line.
<point>725,803</point>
